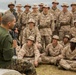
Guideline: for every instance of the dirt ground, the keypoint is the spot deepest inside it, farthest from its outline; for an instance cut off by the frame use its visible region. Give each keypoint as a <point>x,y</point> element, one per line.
<point>52,70</point>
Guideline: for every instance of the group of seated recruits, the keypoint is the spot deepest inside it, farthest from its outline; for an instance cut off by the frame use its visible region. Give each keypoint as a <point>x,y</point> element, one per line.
<point>60,53</point>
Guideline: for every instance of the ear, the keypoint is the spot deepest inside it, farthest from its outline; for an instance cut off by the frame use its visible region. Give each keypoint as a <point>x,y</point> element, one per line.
<point>8,23</point>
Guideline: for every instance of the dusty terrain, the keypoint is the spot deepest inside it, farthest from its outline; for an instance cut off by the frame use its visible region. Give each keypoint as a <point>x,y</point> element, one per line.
<point>52,70</point>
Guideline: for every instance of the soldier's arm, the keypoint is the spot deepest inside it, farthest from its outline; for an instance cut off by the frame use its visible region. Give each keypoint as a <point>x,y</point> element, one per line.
<point>52,23</point>
<point>21,18</point>
<point>58,22</point>
<point>38,36</point>
<point>63,53</point>
<point>46,51</point>
<point>71,20</point>
<point>22,52</point>
<point>37,53</point>
<point>60,56</point>
<point>7,48</point>
<point>24,36</point>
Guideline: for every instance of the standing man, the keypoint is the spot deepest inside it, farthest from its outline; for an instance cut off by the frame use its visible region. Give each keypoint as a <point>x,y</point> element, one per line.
<point>11,9</point>
<point>45,26</point>
<point>55,11</point>
<point>35,14</point>
<point>25,15</point>
<point>73,30</point>
<point>73,6</point>
<point>65,21</point>
<point>41,7</point>
<point>19,13</point>
<point>6,48</point>
<point>24,20</point>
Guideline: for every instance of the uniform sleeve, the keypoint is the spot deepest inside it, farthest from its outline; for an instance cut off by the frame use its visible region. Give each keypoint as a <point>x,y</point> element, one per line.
<point>46,50</point>
<point>7,48</point>
<point>24,36</point>
<point>37,53</point>
<point>38,37</point>
<point>22,52</point>
<point>63,52</point>
<point>52,23</point>
<point>71,21</point>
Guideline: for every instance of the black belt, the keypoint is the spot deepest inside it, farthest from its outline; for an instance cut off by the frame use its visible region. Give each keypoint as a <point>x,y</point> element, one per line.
<point>40,27</point>
<point>29,56</point>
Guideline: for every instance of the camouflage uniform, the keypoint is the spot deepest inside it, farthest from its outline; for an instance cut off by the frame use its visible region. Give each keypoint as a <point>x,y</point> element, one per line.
<point>74,10</point>
<point>73,30</point>
<point>18,23</point>
<point>68,60</point>
<point>35,15</point>
<point>52,53</point>
<point>74,14</point>
<point>19,16</point>
<point>29,53</point>
<point>31,32</point>
<point>41,7</point>
<point>64,45</point>
<point>45,27</point>
<point>13,11</point>
<point>22,66</point>
<point>34,32</point>
<point>25,17</point>
<point>19,13</point>
<point>65,21</point>
<point>67,42</point>
<point>24,21</point>
<point>55,12</point>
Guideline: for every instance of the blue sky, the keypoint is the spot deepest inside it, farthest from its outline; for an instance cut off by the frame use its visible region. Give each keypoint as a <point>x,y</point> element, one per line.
<point>4,3</point>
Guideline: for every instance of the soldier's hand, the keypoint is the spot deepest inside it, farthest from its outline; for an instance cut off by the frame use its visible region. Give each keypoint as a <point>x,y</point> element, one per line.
<point>36,64</point>
<point>38,45</point>
<point>14,43</point>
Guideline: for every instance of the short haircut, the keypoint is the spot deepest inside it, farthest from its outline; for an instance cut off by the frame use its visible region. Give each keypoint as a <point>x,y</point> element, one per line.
<point>7,18</point>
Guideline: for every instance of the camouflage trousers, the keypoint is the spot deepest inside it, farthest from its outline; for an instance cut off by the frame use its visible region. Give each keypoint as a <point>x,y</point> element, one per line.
<point>21,34</point>
<point>45,40</point>
<point>49,60</point>
<point>30,59</point>
<point>64,30</point>
<point>63,33</point>
<point>22,66</point>
<point>68,64</point>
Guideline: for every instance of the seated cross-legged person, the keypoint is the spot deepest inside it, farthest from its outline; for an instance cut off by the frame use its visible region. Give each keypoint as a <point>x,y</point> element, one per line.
<point>68,60</point>
<point>29,51</point>
<point>52,51</point>
<point>66,41</point>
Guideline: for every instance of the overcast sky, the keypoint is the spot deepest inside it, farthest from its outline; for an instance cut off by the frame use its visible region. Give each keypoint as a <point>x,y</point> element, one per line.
<point>4,3</point>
